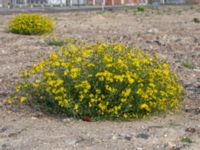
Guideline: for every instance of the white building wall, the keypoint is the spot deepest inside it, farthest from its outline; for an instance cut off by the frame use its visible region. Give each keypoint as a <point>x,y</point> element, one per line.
<point>56,2</point>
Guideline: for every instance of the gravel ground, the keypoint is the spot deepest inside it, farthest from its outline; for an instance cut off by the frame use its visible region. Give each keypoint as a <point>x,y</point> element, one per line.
<point>168,31</point>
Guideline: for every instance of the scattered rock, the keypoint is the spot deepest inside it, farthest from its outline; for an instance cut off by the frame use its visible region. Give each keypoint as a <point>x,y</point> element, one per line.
<point>67,120</point>
<point>196,111</point>
<point>12,135</point>
<point>171,145</point>
<point>74,141</point>
<point>34,118</point>
<point>197,70</point>
<point>155,126</point>
<point>71,141</point>
<point>143,136</point>
<point>191,130</point>
<point>153,31</point>
<point>1,105</point>
<point>127,137</point>
<point>115,137</point>
<point>38,114</point>
<point>4,146</point>
<point>3,93</point>
<point>3,129</point>
<point>188,86</point>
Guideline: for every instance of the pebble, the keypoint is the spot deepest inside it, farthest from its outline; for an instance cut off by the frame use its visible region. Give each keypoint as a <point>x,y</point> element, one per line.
<point>191,130</point>
<point>115,137</point>
<point>153,31</point>
<point>4,146</point>
<point>1,105</point>
<point>3,129</point>
<point>67,120</point>
<point>143,136</point>
<point>127,137</point>
<point>71,141</point>
<point>171,145</point>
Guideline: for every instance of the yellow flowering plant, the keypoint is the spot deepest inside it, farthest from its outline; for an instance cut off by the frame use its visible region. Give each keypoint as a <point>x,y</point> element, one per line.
<point>30,24</point>
<point>109,81</point>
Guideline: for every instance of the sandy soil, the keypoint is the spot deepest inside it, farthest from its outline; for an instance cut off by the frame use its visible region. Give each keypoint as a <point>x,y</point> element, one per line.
<point>168,31</point>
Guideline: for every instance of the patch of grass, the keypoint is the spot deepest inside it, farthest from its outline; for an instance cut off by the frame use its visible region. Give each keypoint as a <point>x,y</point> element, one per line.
<point>188,64</point>
<point>56,42</point>
<point>196,20</point>
<point>186,139</point>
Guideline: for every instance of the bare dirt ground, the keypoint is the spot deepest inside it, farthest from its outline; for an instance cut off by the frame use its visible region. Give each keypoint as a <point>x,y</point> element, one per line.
<point>168,31</point>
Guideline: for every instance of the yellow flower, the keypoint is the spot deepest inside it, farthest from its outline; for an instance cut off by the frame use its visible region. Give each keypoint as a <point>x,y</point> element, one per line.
<point>23,99</point>
<point>144,106</point>
<point>9,100</point>
<point>74,72</point>
<point>123,100</point>
<point>76,106</point>
<point>102,106</point>
<point>53,56</point>
<point>125,116</point>
<point>126,92</point>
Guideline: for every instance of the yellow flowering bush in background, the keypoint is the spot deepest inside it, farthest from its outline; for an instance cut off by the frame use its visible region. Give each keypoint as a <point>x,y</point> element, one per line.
<point>100,80</point>
<point>30,24</point>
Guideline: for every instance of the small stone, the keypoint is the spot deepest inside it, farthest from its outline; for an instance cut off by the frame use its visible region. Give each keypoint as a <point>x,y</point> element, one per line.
<point>127,137</point>
<point>171,145</point>
<point>1,105</point>
<point>115,137</point>
<point>153,31</point>
<point>143,136</point>
<point>13,135</point>
<point>66,120</point>
<point>197,70</point>
<point>38,114</point>
<point>3,129</point>
<point>71,141</point>
<point>191,130</point>
<point>4,147</point>
<point>34,118</point>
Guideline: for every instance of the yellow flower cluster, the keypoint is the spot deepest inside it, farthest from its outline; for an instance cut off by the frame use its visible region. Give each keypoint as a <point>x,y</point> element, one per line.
<point>102,81</point>
<point>31,24</point>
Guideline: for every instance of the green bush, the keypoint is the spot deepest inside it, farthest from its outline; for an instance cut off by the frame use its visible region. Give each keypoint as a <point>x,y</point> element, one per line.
<point>186,139</point>
<point>100,81</point>
<point>196,20</point>
<point>140,8</point>
<point>30,24</point>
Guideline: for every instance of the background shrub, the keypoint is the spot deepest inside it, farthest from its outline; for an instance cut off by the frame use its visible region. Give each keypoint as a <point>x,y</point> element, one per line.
<point>101,81</point>
<point>140,8</point>
<point>31,24</point>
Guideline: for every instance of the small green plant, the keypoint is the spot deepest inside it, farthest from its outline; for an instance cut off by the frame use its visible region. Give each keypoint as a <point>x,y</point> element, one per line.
<point>60,42</point>
<point>140,8</point>
<point>188,64</point>
<point>56,42</point>
<point>30,24</point>
<point>126,10</point>
<point>196,20</point>
<point>186,139</point>
<point>100,81</point>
